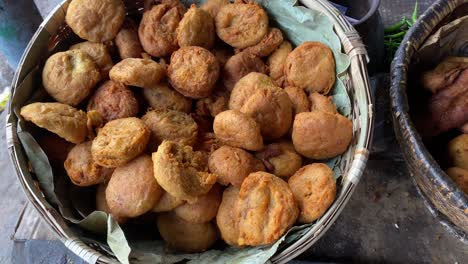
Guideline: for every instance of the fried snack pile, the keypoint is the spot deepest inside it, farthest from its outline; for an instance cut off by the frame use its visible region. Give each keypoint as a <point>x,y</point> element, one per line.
<point>445,115</point>
<point>205,118</point>
<point>448,106</point>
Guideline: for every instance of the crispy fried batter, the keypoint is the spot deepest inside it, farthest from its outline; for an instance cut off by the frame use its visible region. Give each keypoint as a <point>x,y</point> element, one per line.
<point>322,103</point>
<point>137,72</point>
<point>299,100</point>
<point>241,25</point>
<point>232,165</point>
<point>70,76</point>
<point>61,119</point>
<point>98,53</point>
<point>167,203</point>
<point>226,218</point>
<point>213,6</point>
<point>321,135</point>
<point>276,63</point>
<point>162,96</point>
<point>157,30</point>
<point>196,29</point>
<point>113,101</point>
<point>185,236</point>
<point>267,45</point>
<point>236,129</point>
<point>265,209</point>
<point>204,209</point>
<point>239,66</point>
<point>311,66</point>
<point>127,41</point>
<point>314,189</point>
<point>280,158</point>
<point>132,189</point>
<point>181,171</point>
<point>82,169</point>
<point>96,21</point>
<point>119,141</point>
<point>193,71</point>
<point>170,125</point>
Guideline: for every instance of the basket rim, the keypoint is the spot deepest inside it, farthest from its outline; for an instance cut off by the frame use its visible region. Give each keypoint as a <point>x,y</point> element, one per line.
<point>358,160</point>
<point>412,145</point>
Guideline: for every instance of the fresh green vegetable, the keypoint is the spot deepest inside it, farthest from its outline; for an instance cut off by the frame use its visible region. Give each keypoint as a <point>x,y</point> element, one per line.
<point>394,34</point>
<point>396,27</point>
<point>414,17</point>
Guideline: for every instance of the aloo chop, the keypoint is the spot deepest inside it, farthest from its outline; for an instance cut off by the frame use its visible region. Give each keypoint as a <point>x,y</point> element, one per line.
<point>195,114</point>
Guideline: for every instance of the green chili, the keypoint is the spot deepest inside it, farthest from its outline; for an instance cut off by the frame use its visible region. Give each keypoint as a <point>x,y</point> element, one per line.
<point>396,27</point>
<point>414,17</point>
<point>396,35</point>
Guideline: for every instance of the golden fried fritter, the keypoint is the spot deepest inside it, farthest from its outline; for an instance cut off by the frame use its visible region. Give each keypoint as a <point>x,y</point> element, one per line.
<point>265,209</point>
<point>185,236</point>
<point>61,119</point>
<point>70,76</point>
<point>321,135</point>
<point>193,71</point>
<point>276,63</point>
<point>82,169</point>
<point>119,141</point>
<point>204,209</point>
<point>212,105</point>
<point>311,66</point>
<point>132,189</point>
<point>157,30</point>
<point>267,45</point>
<point>247,86</point>
<point>236,129</point>
<point>137,72</point>
<point>101,203</point>
<point>226,220</point>
<point>113,101</point>
<point>314,189</point>
<point>96,21</point>
<point>167,203</point>
<point>182,172</point>
<point>272,109</point>
<point>280,158</point>
<point>196,29</point>
<point>239,66</point>
<point>161,96</point>
<point>213,6</point>
<point>299,100</point>
<point>170,125</point>
<point>127,41</point>
<point>232,165</point>
<point>99,53</point>
<point>241,25</point>
<point>322,103</point>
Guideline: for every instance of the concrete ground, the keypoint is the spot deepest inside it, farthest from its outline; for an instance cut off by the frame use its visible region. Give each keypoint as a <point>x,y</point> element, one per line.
<point>385,220</point>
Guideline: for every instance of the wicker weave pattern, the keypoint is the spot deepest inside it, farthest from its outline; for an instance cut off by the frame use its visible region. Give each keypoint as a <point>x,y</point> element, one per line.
<point>352,164</point>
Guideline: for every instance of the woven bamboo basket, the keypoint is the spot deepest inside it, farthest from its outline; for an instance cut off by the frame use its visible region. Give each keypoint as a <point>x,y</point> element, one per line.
<point>352,164</point>
<point>440,191</point>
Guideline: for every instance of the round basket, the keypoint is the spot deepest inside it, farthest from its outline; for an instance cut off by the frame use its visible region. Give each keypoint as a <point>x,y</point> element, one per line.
<point>352,163</point>
<point>435,185</point>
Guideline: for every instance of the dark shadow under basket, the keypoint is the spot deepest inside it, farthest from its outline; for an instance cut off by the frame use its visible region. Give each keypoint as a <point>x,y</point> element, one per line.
<point>435,185</point>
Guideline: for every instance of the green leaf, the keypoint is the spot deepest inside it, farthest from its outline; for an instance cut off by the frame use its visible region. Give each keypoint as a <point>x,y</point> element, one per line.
<point>117,241</point>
